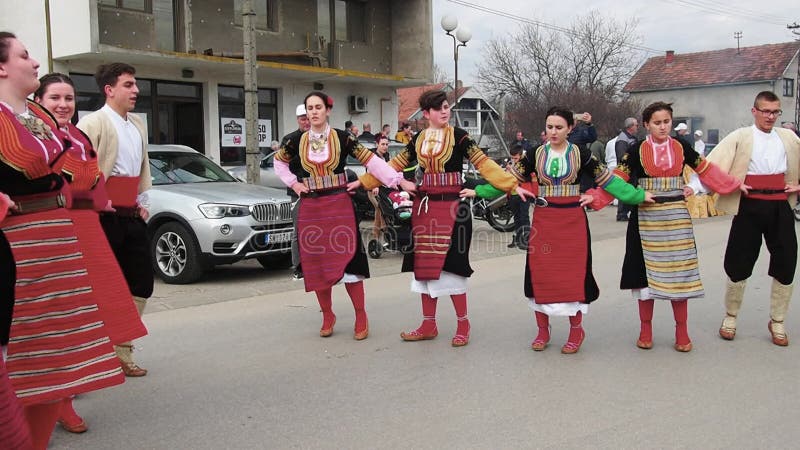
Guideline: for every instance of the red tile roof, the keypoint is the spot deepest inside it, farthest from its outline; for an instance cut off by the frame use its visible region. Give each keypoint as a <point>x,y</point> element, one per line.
<point>408,99</point>
<point>759,63</point>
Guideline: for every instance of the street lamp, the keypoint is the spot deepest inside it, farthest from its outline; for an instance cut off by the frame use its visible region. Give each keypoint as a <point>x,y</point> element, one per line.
<point>460,39</point>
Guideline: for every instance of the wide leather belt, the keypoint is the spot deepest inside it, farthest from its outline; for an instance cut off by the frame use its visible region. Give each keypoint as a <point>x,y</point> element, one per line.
<point>37,204</point>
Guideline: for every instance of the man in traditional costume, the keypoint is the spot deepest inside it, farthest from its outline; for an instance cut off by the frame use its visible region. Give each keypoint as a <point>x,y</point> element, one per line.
<point>766,159</point>
<point>120,139</point>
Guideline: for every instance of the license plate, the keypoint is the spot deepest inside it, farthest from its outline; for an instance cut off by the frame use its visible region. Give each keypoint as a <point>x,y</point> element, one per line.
<point>277,238</point>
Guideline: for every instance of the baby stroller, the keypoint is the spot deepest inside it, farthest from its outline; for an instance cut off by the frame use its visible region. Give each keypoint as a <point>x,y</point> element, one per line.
<point>396,231</point>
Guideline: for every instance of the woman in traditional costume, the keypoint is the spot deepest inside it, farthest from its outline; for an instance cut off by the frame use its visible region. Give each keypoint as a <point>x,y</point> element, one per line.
<point>660,255</point>
<point>59,344</point>
<point>558,267</point>
<point>331,250</point>
<point>441,223</point>
<point>79,166</point>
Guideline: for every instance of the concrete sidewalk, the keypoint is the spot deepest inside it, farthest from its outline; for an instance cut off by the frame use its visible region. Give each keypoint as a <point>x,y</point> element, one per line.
<point>252,373</point>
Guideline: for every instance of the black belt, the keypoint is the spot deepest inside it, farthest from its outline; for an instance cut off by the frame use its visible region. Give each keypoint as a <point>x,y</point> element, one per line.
<point>670,198</point>
<point>766,191</point>
<point>315,194</point>
<point>442,197</point>
<point>561,205</point>
<point>32,205</point>
<point>82,203</point>
<point>123,211</point>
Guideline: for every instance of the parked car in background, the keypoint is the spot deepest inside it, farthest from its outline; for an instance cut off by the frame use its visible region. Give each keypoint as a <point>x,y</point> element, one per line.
<point>201,216</point>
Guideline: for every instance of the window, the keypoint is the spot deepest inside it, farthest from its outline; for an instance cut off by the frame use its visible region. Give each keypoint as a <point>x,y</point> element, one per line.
<point>231,105</point>
<point>134,5</point>
<point>266,14</point>
<point>788,87</point>
<point>712,138</point>
<point>349,21</point>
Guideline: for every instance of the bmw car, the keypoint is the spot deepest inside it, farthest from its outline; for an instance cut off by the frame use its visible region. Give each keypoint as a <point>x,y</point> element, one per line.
<point>201,216</point>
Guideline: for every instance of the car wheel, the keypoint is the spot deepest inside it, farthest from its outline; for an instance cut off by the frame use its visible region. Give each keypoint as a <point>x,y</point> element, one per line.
<point>275,260</point>
<point>176,257</point>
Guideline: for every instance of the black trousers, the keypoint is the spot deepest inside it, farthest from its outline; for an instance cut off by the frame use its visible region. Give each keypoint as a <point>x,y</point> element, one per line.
<point>772,219</point>
<point>128,239</point>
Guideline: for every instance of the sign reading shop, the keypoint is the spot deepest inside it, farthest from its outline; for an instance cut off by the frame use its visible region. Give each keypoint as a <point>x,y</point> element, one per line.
<point>233,132</point>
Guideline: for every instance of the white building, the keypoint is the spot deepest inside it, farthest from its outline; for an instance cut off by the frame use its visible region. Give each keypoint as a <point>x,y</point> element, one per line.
<point>713,91</point>
<point>188,59</point>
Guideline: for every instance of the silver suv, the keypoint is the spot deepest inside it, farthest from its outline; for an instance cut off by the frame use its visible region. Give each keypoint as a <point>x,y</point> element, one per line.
<point>200,216</point>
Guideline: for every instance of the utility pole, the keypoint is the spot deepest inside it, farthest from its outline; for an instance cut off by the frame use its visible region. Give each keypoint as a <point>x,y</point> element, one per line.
<point>250,93</point>
<point>796,31</point>
<point>738,36</point>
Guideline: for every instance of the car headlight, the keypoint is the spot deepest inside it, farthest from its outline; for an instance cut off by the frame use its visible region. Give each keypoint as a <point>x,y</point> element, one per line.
<point>220,210</point>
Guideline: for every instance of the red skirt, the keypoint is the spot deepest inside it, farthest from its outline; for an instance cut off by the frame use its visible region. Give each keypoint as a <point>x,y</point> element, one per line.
<point>327,237</point>
<point>432,224</point>
<point>557,253</point>
<point>14,433</point>
<point>58,344</point>
<point>115,302</point>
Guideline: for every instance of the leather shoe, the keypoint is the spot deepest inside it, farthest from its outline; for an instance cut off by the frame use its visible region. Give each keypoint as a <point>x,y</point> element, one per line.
<point>684,347</point>
<point>325,332</point>
<point>417,336</point>
<point>361,335</point>
<point>130,369</point>
<point>76,428</point>
<point>778,333</point>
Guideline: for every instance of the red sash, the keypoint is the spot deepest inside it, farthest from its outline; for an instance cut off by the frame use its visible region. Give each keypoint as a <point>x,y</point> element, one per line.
<point>326,234</point>
<point>767,182</point>
<point>123,191</point>
<point>557,253</point>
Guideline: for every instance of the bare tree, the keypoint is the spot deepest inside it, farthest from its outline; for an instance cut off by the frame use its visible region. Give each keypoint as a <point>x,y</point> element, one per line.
<point>583,67</point>
<point>440,75</point>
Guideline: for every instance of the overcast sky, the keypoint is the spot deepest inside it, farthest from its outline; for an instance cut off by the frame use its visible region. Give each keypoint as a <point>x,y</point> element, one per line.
<point>682,25</point>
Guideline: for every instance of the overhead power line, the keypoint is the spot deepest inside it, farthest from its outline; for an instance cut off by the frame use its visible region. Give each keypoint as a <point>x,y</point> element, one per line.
<point>544,24</point>
<point>730,12</point>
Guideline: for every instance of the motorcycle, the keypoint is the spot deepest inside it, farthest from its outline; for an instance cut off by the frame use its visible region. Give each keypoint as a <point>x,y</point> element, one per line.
<point>495,211</point>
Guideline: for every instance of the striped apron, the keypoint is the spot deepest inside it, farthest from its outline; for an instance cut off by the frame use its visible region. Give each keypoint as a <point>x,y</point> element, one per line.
<point>668,246</point>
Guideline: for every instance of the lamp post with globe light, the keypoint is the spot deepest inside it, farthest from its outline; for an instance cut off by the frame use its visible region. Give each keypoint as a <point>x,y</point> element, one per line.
<point>463,35</point>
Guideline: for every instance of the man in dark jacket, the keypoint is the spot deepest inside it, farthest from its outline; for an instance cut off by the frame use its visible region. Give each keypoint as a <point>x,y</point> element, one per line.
<point>584,132</point>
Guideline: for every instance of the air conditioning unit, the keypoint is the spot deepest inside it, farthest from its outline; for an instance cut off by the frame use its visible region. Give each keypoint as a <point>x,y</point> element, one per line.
<point>358,104</point>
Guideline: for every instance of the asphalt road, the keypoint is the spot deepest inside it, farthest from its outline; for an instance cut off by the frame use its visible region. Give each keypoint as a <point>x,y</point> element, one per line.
<point>251,373</point>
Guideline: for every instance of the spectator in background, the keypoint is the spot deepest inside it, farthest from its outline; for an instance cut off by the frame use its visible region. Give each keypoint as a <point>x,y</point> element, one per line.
<point>625,139</point>
<point>404,134</point>
<point>367,135</point>
<point>348,127</point>
<point>584,132</point>
<point>542,138</point>
<point>598,149</point>
<point>292,140</point>
<point>520,140</point>
<point>386,129</point>
<point>699,145</point>
<point>791,126</point>
<point>682,134</point>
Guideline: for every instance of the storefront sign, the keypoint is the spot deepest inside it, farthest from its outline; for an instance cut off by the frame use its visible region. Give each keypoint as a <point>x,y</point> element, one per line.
<point>233,132</point>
